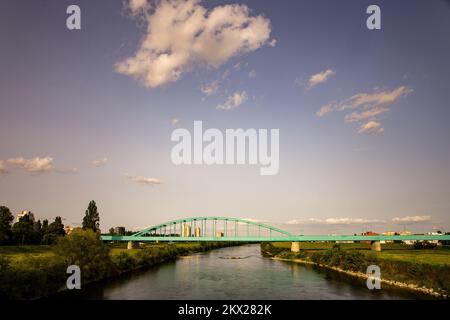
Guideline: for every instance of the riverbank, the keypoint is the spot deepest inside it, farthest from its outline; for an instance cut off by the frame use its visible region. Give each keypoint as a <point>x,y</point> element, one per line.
<point>33,272</point>
<point>432,278</point>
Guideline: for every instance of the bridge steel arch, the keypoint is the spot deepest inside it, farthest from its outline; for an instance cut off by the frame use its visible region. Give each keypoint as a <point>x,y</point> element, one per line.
<point>160,226</point>
<point>150,234</point>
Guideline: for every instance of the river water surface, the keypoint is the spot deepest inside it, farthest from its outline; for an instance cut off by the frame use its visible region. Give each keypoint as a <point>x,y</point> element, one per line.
<point>235,273</point>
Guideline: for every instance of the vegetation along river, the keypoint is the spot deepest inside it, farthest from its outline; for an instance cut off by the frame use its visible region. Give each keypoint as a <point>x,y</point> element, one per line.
<point>235,273</point>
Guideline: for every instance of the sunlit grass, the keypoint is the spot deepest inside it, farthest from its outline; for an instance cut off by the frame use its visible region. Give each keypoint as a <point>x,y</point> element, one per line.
<point>390,251</point>
<point>17,253</point>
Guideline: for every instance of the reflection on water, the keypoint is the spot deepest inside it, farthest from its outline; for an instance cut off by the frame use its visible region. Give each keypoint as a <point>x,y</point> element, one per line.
<point>235,273</point>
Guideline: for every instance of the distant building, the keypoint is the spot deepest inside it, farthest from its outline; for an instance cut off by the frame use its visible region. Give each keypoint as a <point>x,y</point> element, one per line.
<point>368,233</point>
<point>25,213</point>
<point>388,233</point>
<point>68,229</point>
<point>407,233</point>
<point>438,242</point>
<point>186,230</point>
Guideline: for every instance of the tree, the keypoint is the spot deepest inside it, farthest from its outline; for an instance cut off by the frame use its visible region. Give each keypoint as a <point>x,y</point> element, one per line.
<point>85,249</point>
<point>53,231</point>
<point>6,218</point>
<point>91,218</point>
<point>44,226</point>
<point>121,231</point>
<point>111,231</point>
<point>23,231</point>
<point>37,228</point>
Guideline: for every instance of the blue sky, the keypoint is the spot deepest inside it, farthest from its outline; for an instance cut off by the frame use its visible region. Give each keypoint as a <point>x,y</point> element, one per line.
<point>63,97</point>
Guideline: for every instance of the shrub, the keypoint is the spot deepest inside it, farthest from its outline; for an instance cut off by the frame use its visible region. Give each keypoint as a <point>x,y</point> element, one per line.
<point>123,262</point>
<point>31,278</point>
<point>85,249</point>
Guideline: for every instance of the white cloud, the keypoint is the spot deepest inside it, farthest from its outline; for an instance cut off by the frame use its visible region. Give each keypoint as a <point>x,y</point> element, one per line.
<point>335,221</point>
<point>324,110</point>
<point>372,100</point>
<point>144,180</point>
<point>372,104</point>
<point>240,65</point>
<point>412,219</point>
<point>320,77</point>
<point>272,43</point>
<point>371,127</point>
<point>33,165</point>
<point>136,5</point>
<point>99,162</point>
<point>3,168</point>
<point>211,88</point>
<point>182,35</point>
<point>252,74</point>
<point>234,101</point>
<point>367,114</point>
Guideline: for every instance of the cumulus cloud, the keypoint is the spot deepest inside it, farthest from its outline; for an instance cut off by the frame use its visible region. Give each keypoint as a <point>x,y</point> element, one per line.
<point>320,77</point>
<point>3,168</point>
<point>99,162</point>
<point>335,221</point>
<point>34,165</point>
<point>411,219</point>
<point>211,88</point>
<point>137,5</point>
<point>370,106</point>
<point>273,43</point>
<point>234,101</point>
<point>144,180</point>
<point>182,35</point>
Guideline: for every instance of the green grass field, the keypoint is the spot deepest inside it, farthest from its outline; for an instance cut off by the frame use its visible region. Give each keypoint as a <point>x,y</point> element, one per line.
<point>391,251</point>
<point>17,253</point>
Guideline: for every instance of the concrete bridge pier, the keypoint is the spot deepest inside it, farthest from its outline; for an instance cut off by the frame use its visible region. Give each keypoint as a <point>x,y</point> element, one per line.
<point>375,246</point>
<point>295,247</point>
<point>132,245</point>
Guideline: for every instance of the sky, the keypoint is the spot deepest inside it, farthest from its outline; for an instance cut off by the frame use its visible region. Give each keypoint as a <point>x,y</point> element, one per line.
<point>363,114</point>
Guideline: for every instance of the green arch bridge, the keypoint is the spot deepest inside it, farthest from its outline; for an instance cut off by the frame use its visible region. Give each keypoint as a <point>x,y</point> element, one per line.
<point>242,230</point>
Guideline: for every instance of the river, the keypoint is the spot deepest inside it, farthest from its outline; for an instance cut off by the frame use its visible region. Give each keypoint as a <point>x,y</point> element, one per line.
<point>235,273</point>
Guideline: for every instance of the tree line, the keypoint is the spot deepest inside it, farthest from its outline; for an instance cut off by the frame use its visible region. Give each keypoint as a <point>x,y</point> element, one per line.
<point>28,231</point>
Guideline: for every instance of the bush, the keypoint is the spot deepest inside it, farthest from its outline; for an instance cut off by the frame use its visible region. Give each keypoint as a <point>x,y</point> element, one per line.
<point>123,262</point>
<point>424,245</point>
<point>85,249</point>
<point>31,278</point>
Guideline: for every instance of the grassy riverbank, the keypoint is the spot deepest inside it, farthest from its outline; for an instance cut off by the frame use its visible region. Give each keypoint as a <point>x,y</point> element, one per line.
<point>427,270</point>
<point>30,272</point>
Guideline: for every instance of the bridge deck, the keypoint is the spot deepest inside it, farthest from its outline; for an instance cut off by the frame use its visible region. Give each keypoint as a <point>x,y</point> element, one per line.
<point>303,238</point>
